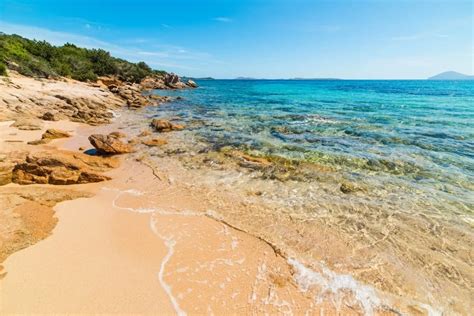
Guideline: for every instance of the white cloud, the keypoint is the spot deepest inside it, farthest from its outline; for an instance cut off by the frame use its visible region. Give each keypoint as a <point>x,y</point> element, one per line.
<point>419,36</point>
<point>222,19</point>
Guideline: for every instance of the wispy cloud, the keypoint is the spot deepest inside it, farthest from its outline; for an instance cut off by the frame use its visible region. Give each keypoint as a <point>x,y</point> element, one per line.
<point>418,36</point>
<point>223,19</point>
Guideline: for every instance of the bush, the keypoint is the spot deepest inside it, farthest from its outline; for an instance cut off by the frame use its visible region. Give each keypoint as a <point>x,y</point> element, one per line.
<point>41,59</point>
<point>3,69</point>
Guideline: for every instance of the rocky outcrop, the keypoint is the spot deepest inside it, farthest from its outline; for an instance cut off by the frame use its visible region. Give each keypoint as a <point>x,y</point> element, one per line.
<point>162,126</point>
<point>131,93</point>
<point>29,102</point>
<point>49,135</point>
<point>152,83</point>
<point>171,79</point>
<point>109,145</point>
<point>62,168</point>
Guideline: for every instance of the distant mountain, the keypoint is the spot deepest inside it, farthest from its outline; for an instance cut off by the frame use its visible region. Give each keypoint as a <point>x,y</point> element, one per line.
<point>250,78</point>
<point>451,75</point>
<point>204,78</point>
<point>314,79</point>
<point>245,78</point>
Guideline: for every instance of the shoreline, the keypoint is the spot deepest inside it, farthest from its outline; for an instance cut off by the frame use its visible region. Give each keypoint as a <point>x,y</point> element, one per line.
<point>146,216</point>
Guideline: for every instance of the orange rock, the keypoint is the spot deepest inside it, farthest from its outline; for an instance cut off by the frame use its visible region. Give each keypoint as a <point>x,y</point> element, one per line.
<point>111,145</point>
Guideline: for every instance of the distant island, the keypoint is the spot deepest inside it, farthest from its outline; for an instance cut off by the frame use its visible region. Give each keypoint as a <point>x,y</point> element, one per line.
<point>451,75</point>
<point>250,78</point>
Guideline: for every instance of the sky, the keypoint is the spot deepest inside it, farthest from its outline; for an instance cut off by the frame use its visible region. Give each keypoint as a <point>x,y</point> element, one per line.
<point>358,39</point>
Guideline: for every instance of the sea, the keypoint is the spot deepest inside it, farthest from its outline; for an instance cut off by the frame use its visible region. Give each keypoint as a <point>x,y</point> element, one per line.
<point>374,178</point>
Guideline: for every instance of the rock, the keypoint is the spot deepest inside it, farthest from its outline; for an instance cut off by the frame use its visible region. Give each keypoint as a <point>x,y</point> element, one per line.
<point>109,80</point>
<point>347,187</point>
<point>118,134</point>
<point>191,83</point>
<point>26,124</point>
<point>49,135</point>
<point>155,142</point>
<point>106,144</point>
<point>61,167</point>
<point>171,79</point>
<point>151,83</point>
<point>144,133</point>
<point>161,125</point>
<point>48,116</point>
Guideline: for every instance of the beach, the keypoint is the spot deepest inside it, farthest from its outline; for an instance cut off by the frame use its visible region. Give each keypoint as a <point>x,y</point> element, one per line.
<point>177,228</point>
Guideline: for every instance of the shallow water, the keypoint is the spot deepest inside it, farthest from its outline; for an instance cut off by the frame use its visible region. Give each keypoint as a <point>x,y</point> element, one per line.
<point>420,132</point>
<point>405,150</point>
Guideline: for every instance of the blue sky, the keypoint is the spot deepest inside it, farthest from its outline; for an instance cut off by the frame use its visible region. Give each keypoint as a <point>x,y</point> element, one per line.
<point>262,38</point>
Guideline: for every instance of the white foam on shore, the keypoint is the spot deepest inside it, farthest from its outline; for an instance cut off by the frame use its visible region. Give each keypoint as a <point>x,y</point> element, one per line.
<point>169,243</point>
<point>336,285</point>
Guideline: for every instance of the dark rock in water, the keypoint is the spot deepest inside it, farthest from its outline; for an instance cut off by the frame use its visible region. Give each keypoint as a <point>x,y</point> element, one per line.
<point>111,145</point>
<point>347,187</point>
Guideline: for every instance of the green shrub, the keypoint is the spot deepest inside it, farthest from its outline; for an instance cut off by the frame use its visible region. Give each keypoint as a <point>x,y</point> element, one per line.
<point>3,69</point>
<point>41,59</point>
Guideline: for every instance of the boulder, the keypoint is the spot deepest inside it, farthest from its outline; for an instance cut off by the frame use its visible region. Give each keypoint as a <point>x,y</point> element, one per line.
<point>161,125</point>
<point>155,142</point>
<point>61,167</point>
<point>171,79</point>
<point>191,83</point>
<point>49,135</point>
<point>109,145</point>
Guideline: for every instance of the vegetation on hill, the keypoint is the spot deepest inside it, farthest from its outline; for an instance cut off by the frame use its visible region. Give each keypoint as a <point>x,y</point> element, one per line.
<point>41,59</point>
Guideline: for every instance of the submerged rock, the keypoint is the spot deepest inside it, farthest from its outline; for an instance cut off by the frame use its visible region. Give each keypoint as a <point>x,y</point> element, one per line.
<point>161,125</point>
<point>155,142</point>
<point>348,187</point>
<point>111,145</point>
<point>61,167</point>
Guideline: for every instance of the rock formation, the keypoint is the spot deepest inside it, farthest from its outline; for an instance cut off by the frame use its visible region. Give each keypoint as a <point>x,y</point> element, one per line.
<point>49,135</point>
<point>109,144</point>
<point>61,167</point>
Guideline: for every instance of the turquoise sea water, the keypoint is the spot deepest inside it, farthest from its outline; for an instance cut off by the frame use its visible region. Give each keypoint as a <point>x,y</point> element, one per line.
<point>386,167</point>
<point>418,132</point>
